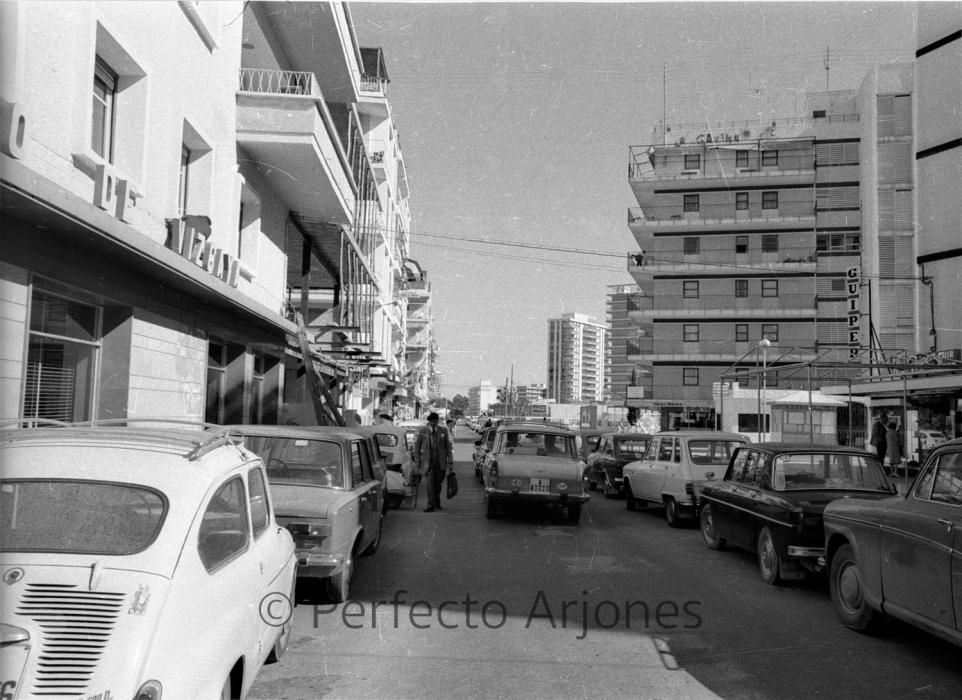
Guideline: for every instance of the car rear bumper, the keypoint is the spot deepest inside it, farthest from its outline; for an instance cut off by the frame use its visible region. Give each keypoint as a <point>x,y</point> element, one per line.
<point>805,552</point>
<point>318,565</point>
<point>536,497</point>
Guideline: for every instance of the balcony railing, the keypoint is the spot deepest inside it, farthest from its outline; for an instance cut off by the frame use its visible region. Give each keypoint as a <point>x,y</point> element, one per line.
<point>278,82</point>
<point>372,83</point>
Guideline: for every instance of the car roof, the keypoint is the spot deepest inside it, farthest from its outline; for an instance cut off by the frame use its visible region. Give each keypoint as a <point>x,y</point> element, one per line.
<point>535,426</point>
<point>315,432</point>
<point>806,447</point>
<point>630,436</point>
<point>701,434</point>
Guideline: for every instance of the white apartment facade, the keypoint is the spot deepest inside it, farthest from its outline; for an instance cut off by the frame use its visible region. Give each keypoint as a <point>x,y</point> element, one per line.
<point>576,359</point>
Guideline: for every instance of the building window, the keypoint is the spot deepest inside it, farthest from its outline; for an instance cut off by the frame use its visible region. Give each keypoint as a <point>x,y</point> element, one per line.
<point>741,200</point>
<point>769,200</point>
<point>691,245</point>
<point>741,332</point>
<point>769,288</point>
<point>216,381</point>
<point>769,243</point>
<point>693,162</point>
<point>741,288</point>
<point>741,244</point>
<point>691,202</point>
<point>690,376</point>
<point>691,332</point>
<point>741,159</point>
<point>104,117</point>
<point>62,357</point>
<point>838,284</point>
<point>769,157</point>
<point>838,243</point>
<point>770,331</point>
<point>689,289</point>
<point>183,182</point>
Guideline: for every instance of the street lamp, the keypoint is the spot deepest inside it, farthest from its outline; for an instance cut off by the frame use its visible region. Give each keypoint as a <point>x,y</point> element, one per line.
<point>764,344</point>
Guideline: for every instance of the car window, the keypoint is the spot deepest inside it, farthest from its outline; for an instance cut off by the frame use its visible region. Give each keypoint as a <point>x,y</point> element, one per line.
<point>651,452</point>
<point>826,471</point>
<point>79,517</point>
<point>260,510</point>
<point>300,460</point>
<point>609,447</point>
<point>665,449</point>
<point>223,529</point>
<point>717,452</point>
<point>634,449</point>
<point>947,486</point>
<point>737,472</point>
<point>357,471</point>
<point>751,467</point>
<point>371,460</point>
<point>387,440</point>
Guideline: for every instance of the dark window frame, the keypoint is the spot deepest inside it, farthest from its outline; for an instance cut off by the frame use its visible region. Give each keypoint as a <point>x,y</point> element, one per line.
<point>768,286</point>
<point>741,288</point>
<point>689,376</point>
<point>741,201</point>
<point>691,202</point>
<point>689,289</point>
<point>770,200</point>
<point>690,332</point>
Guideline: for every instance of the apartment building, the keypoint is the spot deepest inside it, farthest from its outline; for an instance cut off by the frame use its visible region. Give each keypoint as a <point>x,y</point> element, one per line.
<point>576,359</point>
<point>481,397</point>
<point>180,186</point>
<point>623,342</point>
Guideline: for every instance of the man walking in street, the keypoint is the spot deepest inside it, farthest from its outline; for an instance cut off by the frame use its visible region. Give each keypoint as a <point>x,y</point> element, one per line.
<point>434,452</point>
<point>877,439</point>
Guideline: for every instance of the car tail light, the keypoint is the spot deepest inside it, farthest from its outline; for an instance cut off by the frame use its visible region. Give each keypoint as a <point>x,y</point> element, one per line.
<point>309,534</point>
<point>151,690</point>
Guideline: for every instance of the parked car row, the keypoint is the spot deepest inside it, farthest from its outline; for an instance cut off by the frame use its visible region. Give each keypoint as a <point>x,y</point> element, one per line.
<point>120,540</point>
<point>808,509</point>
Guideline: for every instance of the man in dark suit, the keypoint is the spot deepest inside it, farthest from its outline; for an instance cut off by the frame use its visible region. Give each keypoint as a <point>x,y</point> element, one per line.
<point>434,452</point>
<point>877,439</point>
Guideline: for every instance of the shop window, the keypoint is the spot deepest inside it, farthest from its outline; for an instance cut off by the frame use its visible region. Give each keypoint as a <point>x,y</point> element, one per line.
<point>741,332</point>
<point>62,357</point>
<point>741,244</point>
<point>741,288</point>
<point>769,288</point>
<point>769,243</point>
<point>769,200</point>
<point>691,202</point>
<point>690,376</point>
<point>689,289</point>
<point>741,200</point>
<point>691,245</point>
<point>690,331</point>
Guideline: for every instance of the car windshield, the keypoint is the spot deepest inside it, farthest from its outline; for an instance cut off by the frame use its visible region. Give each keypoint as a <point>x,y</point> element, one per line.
<point>79,517</point>
<point>716,452</point>
<point>541,444</point>
<point>300,460</point>
<point>631,448</point>
<point>793,472</point>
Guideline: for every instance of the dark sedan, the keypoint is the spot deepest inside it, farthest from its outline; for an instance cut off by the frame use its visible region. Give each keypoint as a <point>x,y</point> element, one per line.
<point>902,556</point>
<point>607,462</point>
<point>772,498</point>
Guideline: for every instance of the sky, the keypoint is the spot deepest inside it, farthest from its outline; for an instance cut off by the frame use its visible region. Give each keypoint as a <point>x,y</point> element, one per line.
<point>515,121</point>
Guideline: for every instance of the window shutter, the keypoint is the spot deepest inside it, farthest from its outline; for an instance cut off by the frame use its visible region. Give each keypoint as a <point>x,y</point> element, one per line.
<point>886,115</point>
<point>902,115</point>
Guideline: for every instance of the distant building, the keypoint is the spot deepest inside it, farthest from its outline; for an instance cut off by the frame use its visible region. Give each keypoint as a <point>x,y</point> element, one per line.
<point>481,397</point>
<point>576,359</point>
<point>624,342</point>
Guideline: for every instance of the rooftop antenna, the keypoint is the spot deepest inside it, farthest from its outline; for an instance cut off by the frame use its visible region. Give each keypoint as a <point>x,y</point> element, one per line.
<point>826,67</point>
<point>664,103</point>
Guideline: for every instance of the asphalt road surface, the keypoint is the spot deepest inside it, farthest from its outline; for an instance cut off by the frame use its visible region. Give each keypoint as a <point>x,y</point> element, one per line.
<point>538,608</point>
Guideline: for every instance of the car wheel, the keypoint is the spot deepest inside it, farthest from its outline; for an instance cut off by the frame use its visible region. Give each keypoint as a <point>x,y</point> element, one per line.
<point>672,517</point>
<point>630,503</point>
<point>768,559</point>
<point>848,593</point>
<point>376,542</point>
<point>708,532</point>
<point>339,585</point>
<point>574,512</point>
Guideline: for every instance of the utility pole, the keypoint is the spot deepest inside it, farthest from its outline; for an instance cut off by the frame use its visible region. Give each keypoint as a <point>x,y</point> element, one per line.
<point>511,391</point>
<point>826,67</point>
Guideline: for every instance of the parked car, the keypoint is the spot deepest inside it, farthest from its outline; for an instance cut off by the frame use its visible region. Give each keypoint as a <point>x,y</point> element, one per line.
<point>901,556</point>
<point>481,448</point>
<point>606,462</point>
<point>326,493</point>
<point>392,442</point>
<point>674,466</point>
<point>772,497</point>
<point>152,553</point>
<point>587,441</point>
<point>534,463</point>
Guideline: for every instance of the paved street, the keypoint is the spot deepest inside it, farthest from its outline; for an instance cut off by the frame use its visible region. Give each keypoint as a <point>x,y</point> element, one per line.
<point>513,578</point>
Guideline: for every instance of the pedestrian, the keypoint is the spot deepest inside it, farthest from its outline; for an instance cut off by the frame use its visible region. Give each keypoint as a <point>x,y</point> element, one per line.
<point>893,442</point>
<point>877,440</point>
<point>434,455</point>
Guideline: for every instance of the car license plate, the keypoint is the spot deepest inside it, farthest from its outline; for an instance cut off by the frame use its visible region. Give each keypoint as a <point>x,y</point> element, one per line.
<point>13,659</point>
<point>539,485</point>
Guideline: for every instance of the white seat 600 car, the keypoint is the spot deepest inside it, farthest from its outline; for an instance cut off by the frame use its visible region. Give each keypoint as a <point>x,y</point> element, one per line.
<point>138,563</point>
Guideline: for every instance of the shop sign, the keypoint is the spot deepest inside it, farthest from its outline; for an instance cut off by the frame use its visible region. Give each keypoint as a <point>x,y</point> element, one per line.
<point>940,357</point>
<point>853,287</point>
<point>190,241</point>
<point>113,193</point>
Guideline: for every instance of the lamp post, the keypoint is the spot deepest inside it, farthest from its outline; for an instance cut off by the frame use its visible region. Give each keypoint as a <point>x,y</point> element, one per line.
<point>764,344</point>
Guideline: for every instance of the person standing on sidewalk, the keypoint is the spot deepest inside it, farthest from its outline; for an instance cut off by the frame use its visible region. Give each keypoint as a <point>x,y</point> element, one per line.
<point>435,454</point>
<point>877,439</point>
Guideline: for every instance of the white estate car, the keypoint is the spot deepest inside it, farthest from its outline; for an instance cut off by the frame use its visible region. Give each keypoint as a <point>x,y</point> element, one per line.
<point>138,563</point>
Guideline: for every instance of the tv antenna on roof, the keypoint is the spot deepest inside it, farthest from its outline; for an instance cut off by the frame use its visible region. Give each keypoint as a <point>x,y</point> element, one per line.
<point>826,67</point>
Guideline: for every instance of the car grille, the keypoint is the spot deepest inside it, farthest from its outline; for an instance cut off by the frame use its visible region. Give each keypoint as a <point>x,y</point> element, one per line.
<point>75,627</point>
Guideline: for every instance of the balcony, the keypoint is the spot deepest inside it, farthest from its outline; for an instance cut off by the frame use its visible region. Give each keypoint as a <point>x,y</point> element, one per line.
<point>286,130</point>
<point>675,314</point>
<point>794,259</point>
<point>669,217</point>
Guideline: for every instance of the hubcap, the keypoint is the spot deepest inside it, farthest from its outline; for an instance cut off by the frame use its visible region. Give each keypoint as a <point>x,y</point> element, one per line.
<point>768,555</point>
<point>850,588</point>
<point>708,527</point>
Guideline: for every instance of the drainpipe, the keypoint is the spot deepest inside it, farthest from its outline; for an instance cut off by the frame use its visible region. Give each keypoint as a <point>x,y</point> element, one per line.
<point>927,281</point>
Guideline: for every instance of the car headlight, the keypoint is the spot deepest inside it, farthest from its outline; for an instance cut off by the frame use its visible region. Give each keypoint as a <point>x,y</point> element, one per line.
<point>151,690</point>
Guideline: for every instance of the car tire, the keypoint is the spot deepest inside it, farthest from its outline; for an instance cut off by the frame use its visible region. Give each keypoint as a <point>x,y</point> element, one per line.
<point>630,503</point>
<point>848,593</point>
<point>574,513</point>
<point>768,559</point>
<point>339,585</point>
<point>376,542</point>
<point>708,532</point>
<point>672,516</point>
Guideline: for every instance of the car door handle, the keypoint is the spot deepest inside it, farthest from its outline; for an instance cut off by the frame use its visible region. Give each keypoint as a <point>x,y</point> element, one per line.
<point>948,523</point>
